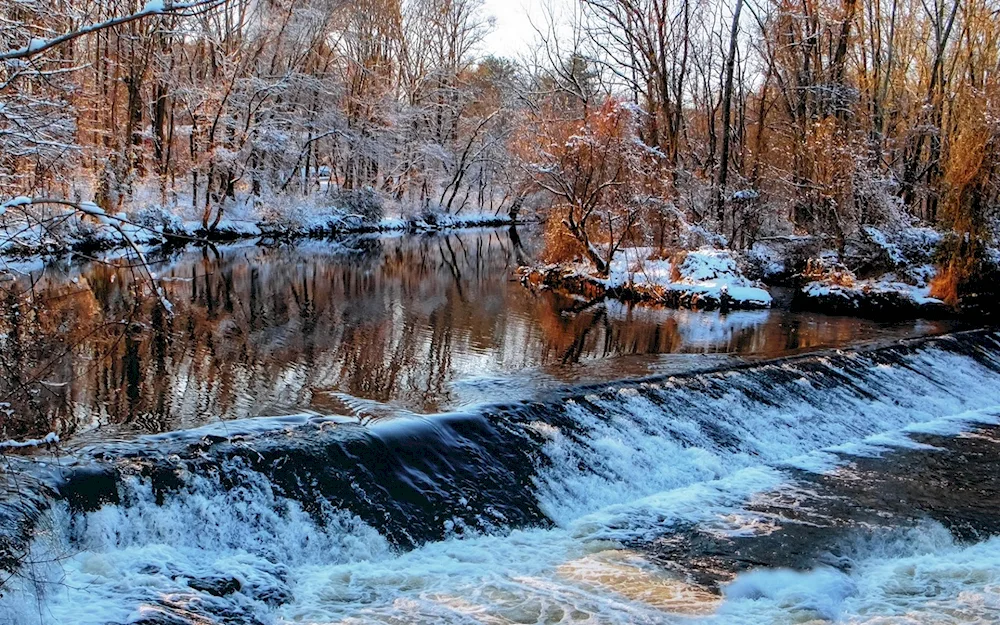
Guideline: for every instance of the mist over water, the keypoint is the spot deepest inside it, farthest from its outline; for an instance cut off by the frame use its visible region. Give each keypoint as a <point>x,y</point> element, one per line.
<point>451,458</point>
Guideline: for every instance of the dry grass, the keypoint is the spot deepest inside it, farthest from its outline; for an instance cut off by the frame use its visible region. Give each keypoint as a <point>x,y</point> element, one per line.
<point>970,179</point>
<point>676,260</point>
<point>945,284</point>
<point>661,253</point>
<point>560,245</point>
<point>835,275</point>
<point>958,272</point>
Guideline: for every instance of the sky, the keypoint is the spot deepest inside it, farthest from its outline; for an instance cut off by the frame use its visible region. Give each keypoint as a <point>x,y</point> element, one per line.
<point>513,33</point>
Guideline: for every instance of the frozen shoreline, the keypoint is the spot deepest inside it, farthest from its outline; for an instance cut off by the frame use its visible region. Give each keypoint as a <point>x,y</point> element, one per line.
<point>703,279</point>
<point>104,238</point>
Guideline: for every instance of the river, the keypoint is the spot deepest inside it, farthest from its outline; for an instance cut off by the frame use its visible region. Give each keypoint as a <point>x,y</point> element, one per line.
<point>393,430</point>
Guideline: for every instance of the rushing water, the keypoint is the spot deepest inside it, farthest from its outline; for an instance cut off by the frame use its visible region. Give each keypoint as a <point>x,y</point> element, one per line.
<point>852,486</point>
<point>858,487</point>
<point>363,328</point>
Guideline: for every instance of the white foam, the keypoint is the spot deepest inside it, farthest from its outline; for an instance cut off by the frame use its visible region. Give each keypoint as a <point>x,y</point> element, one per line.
<point>920,577</point>
<point>636,464</point>
<point>120,558</point>
<point>640,444</point>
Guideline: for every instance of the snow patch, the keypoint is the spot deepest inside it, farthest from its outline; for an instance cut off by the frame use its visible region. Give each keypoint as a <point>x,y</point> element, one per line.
<point>48,439</point>
<point>715,273</point>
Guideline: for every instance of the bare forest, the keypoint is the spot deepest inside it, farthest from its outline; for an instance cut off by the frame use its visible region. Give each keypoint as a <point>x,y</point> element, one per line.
<point>628,122</point>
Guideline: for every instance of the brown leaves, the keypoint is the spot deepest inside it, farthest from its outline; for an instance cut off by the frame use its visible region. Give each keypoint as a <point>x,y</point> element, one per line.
<point>596,169</point>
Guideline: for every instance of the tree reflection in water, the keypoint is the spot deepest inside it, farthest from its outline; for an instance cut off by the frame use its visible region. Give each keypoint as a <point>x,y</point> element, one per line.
<point>364,327</point>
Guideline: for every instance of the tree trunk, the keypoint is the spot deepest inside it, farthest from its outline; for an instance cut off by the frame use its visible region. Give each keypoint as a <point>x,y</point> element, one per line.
<point>727,103</point>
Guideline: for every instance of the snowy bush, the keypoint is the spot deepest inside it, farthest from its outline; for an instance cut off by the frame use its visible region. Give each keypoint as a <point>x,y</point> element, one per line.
<point>918,244</point>
<point>710,265</point>
<point>431,213</point>
<point>366,203</point>
<point>872,250</point>
<point>716,273</point>
<point>157,219</point>
<point>765,262</point>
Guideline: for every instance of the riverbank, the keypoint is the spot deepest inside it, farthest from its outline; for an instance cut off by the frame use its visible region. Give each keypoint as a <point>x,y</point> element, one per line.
<point>64,231</point>
<point>703,279</point>
<point>873,275</point>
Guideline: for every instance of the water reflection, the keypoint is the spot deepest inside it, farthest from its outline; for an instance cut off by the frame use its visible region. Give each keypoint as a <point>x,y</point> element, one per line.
<point>364,327</point>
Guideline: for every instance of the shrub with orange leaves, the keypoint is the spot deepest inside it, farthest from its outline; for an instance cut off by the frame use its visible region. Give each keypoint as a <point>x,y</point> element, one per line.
<point>598,173</point>
<point>560,245</point>
<point>972,186</point>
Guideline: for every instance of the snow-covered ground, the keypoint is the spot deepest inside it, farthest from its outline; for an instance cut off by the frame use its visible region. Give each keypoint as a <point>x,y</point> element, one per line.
<point>33,229</point>
<point>714,273</point>
<point>702,278</point>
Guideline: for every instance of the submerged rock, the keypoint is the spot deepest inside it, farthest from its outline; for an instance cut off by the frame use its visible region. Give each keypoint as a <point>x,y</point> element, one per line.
<point>217,586</point>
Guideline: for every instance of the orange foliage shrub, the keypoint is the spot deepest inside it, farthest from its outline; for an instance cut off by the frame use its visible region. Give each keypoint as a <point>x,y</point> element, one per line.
<point>560,245</point>
<point>972,178</point>
<point>597,171</point>
<point>945,284</point>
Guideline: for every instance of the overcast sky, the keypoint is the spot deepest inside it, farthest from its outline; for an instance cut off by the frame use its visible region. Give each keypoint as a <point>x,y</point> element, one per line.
<point>513,33</point>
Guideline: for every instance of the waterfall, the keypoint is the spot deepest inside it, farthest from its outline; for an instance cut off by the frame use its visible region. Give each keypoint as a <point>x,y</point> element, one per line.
<point>264,520</point>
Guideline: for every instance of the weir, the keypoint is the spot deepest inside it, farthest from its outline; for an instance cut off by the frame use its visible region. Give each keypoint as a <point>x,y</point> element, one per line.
<point>621,463</point>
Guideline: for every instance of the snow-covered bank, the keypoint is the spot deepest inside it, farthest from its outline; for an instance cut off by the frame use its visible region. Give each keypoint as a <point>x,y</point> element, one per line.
<point>883,295</point>
<point>878,275</point>
<point>874,273</point>
<point>705,278</point>
<point>63,230</point>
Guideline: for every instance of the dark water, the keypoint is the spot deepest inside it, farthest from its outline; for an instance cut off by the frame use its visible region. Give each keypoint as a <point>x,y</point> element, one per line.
<point>365,328</point>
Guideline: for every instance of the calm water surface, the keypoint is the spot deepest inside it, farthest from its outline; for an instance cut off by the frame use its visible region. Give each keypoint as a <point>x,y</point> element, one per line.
<point>366,328</point>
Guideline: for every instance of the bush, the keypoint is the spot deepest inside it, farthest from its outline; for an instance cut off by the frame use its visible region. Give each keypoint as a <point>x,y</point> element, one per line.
<point>966,271</point>
<point>366,203</point>
<point>560,245</point>
<point>431,213</point>
<point>157,219</point>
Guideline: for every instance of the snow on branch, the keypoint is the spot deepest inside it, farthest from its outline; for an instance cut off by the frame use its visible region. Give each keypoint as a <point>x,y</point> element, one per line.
<point>37,45</point>
<point>49,439</point>
<point>114,222</point>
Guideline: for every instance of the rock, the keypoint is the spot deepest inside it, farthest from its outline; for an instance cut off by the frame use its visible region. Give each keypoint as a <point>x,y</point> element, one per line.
<point>89,488</point>
<point>867,300</point>
<point>217,586</point>
<point>161,615</point>
<point>272,595</point>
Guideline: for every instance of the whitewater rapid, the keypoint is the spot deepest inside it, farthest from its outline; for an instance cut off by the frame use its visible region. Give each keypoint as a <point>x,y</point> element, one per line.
<point>595,505</point>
